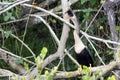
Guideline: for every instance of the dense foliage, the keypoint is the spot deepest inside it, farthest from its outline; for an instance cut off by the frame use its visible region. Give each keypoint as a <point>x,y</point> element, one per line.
<point>38,36</point>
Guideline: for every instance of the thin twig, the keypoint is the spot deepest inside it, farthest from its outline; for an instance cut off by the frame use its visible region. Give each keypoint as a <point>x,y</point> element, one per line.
<point>24,45</point>
<point>26,26</point>
<point>56,38</point>
<point>64,74</point>
<point>7,52</point>
<point>95,51</point>
<point>94,17</point>
<point>110,46</point>
<point>12,5</point>
<point>99,39</point>
<point>51,13</point>
<point>13,21</point>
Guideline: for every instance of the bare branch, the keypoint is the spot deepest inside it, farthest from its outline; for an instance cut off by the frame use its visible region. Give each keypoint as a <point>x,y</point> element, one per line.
<point>102,69</point>
<point>108,41</point>
<point>55,37</point>
<point>57,41</point>
<point>70,2</point>
<point>18,2</point>
<point>9,53</point>
<point>5,73</point>
<point>24,45</point>
<point>13,21</point>
<point>96,51</point>
<point>63,39</point>
<point>65,30</point>
<point>49,12</point>
<point>99,39</point>
<point>94,17</point>
<point>11,62</point>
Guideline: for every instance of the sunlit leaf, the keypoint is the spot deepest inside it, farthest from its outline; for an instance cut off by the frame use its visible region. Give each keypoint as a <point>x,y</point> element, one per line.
<point>54,21</point>
<point>101,27</point>
<point>7,16</point>
<point>87,10</point>
<point>101,1</point>
<point>12,18</point>
<point>23,78</point>
<point>43,52</point>
<point>46,72</point>
<point>55,69</point>
<point>111,78</point>
<point>83,1</point>
<point>117,28</point>
<point>26,66</point>
<point>19,61</point>
<point>7,33</point>
<point>38,60</point>
<point>93,2</point>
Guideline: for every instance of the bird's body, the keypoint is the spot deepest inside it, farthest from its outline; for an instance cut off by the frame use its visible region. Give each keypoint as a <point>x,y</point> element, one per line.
<point>84,58</point>
<point>83,55</point>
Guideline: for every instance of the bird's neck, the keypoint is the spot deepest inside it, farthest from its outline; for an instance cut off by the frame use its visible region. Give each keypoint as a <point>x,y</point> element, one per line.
<point>79,46</point>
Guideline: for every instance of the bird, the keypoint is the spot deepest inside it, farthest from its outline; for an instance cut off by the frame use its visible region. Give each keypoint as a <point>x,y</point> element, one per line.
<point>83,55</point>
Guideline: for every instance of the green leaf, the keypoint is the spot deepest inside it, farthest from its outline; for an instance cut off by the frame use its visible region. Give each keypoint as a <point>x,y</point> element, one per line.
<point>26,66</point>
<point>43,52</point>
<point>93,2</point>
<point>83,1</point>
<point>38,60</point>
<point>54,21</point>
<point>12,18</point>
<point>7,16</point>
<point>49,76</point>
<point>117,28</point>
<point>102,1</point>
<point>86,14</point>
<point>7,33</point>
<point>47,73</point>
<point>23,78</point>
<point>55,69</point>
<point>111,78</point>
<point>15,78</point>
<point>19,61</point>
<point>87,10</point>
<point>101,27</point>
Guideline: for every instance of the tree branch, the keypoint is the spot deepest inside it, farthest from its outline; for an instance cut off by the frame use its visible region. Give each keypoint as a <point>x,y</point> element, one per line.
<point>64,36</point>
<point>99,39</point>
<point>49,12</point>
<point>109,8</point>
<point>11,62</point>
<point>103,69</point>
<point>18,2</point>
<point>13,55</point>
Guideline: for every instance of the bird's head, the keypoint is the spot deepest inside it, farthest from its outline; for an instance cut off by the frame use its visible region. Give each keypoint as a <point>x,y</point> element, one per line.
<point>71,15</point>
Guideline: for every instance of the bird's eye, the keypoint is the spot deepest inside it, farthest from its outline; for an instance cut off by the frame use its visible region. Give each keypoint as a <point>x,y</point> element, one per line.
<point>70,13</point>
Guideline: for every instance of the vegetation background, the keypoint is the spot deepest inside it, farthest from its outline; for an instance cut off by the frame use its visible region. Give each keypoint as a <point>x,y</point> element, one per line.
<point>26,42</point>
